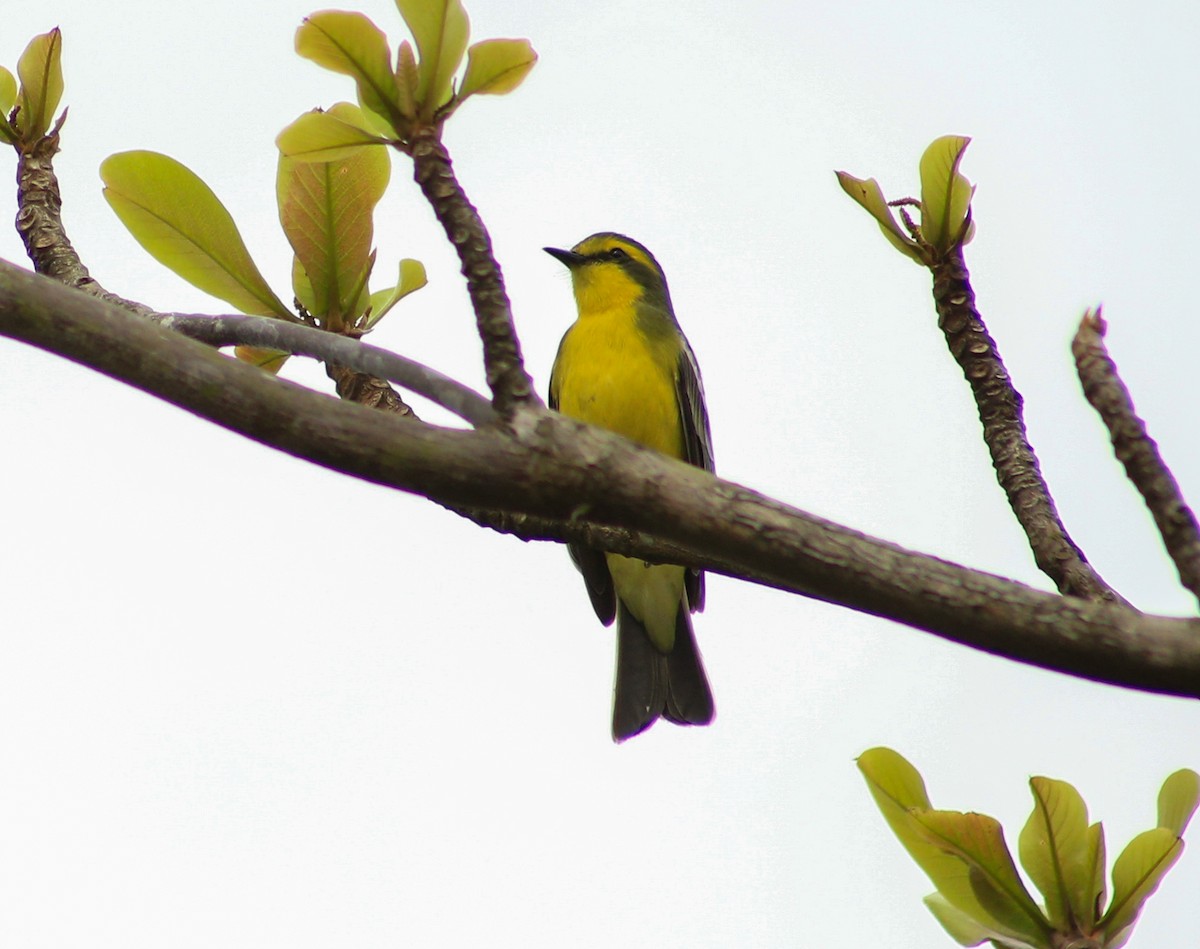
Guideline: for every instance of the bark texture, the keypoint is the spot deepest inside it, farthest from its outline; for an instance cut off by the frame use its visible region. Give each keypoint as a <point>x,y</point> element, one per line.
<point>506,376</point>
<point>1137,451</point>
<point>1001,411</point>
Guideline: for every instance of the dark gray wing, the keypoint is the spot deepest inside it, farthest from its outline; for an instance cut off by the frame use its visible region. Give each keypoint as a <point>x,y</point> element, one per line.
<point>697,441</point>
<point>697,436</point>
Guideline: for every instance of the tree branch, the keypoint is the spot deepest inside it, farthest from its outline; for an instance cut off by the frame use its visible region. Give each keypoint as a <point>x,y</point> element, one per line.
<point>1000,411</point>
<point>357,370</point>
<point>39,221</point>
<point>550,467</point>
<point>510,384</point>
<point>1136,450</point>
<point>268,333</point>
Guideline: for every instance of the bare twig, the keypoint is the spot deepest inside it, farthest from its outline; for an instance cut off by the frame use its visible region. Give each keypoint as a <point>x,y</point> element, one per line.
<point>1136,450</point>
<point>506,376</point>
<point>555,467</point>
<point>1000,411</point>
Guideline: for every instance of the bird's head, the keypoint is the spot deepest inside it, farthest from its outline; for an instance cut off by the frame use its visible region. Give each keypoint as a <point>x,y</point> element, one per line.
<point>609,271</point>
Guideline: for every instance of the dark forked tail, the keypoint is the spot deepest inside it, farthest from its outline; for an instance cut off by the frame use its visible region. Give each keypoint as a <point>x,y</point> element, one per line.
<point>650,684</point>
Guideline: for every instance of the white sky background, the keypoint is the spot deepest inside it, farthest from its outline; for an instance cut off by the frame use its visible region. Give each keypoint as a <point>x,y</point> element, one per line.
<point>248,702</point>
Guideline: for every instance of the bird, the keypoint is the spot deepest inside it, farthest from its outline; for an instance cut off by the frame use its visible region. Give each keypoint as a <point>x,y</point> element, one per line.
<point>625,365</point>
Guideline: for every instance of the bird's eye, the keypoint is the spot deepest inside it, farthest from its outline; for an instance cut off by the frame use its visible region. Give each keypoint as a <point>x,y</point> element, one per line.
<point>617,254</point>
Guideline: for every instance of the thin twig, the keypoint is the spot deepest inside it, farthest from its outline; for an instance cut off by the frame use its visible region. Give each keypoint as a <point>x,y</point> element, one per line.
<point>1136,450</point>
<point>1001,412</point>
<point>267,333</point>
<point>506,376</point>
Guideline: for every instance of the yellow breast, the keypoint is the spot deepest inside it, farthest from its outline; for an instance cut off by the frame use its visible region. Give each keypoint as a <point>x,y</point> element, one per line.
<point>612,374</point>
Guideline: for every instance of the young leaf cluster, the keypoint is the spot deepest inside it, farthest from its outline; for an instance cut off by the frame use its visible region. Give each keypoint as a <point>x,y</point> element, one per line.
<point>981,897</point>
<point>27,110</point>
<point>399,94</point>
<point>325,208</point>
<point>945,203</point>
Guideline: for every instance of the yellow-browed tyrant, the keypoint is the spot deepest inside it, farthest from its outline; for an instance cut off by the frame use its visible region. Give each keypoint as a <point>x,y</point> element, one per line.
<point>625,365</point>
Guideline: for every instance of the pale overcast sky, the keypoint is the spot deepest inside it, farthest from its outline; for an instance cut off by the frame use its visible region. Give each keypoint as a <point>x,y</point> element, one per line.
<point>248,702</point>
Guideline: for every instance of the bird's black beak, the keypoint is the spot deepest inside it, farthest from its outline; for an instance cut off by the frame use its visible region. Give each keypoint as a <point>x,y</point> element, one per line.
<point>568,257</point>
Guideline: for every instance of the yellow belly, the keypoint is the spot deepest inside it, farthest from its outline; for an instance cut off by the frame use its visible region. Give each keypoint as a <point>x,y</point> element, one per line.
<point>653,593</point>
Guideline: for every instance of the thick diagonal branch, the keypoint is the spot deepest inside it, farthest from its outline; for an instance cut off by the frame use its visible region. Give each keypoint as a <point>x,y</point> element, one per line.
<point>1136,450</point>
<point>506,376</point>
<point>551,467</point>
<point>1000,412</point>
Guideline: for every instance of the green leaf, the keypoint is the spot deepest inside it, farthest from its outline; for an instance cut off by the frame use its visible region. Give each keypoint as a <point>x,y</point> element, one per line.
<point>889,773</point>
<point>495,67</point>
<point>978,840</point>
<point>1136,874</point>
<point>870,196</point>
<point>360,293</point>
<point>40,69</point>
<point>1177,800</point>
<point>177,218</point>
<point>322,136</point>
<point>8,98</point>
<point>301,286</point>
<point>962,928</point>
<point>1054,849</point>
<point>899,792</point>
<point>8,91</point>
<point>412,277</point>
<point>945,193</point>
<point>326,209</point>
<point>1140,868</point>
<point>349,43</point>
<point>441,30</point>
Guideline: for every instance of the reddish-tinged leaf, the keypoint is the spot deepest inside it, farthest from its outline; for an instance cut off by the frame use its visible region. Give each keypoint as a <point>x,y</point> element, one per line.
<point>326,209</point>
